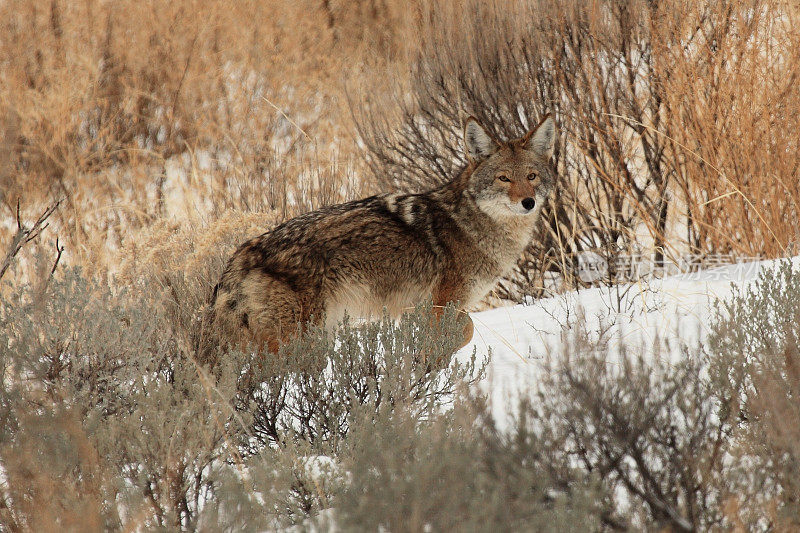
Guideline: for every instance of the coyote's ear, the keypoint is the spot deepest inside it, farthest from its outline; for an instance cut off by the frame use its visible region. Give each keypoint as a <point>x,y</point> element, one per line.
<point>478,143</point>
<point>541,139</point>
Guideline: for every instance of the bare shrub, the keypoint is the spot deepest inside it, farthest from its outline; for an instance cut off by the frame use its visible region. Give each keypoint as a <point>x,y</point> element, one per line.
<point>686,438</point>
<point>641,92</point>
<point>24,235</point>
<point>406,366</point>
<point>655,431</point>
<point>127,397</point>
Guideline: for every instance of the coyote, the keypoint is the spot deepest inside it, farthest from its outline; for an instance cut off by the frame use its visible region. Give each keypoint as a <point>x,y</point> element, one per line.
<point>389,252</point>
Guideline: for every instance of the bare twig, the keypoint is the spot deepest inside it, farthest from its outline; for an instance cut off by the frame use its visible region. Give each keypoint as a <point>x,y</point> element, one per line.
<point>59,251</point>
<point>26,234</point>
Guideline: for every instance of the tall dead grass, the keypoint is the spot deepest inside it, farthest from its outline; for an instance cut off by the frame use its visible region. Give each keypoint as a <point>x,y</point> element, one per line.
<point>730,85</point>
<point>677,118</point>
<point>138,111</point>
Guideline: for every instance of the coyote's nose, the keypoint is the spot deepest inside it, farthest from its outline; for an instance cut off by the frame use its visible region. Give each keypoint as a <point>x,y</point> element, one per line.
<point>528,203</point>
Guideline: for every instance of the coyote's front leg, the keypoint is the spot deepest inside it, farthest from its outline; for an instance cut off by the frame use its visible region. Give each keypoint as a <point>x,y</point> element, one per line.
<point>449,291</point>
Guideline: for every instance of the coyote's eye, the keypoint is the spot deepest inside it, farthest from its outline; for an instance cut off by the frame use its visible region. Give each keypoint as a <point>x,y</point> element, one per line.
<point>504,179</point>
<point>532,176</point>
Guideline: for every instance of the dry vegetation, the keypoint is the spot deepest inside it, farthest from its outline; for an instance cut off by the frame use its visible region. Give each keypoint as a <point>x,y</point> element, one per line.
<point>165,132</point>
<point>138,111</point>
<point>677,118</point>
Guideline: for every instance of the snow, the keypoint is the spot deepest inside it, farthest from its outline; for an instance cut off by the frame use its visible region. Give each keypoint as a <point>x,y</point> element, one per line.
<point>518,338</point>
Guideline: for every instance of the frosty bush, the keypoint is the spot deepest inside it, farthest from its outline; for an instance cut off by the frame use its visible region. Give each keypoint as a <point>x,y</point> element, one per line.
<point>654,429</point>
<point>458,473</point>
<point>687,438</point>
<point>755,347</point>
<point>405,365</point>
<point>107,420</point>
<point>102,406</point>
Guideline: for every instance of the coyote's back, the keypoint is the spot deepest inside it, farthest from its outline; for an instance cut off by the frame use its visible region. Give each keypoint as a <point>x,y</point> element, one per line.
<point>391,251</point>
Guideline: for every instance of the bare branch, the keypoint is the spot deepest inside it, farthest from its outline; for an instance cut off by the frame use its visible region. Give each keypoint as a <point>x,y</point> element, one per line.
<point>26,234</point>
<point>59,251</point>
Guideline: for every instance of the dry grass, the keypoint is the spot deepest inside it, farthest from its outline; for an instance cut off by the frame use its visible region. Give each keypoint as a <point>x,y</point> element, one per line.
<point>734,99</point>
<point>677,119</point>
<point>138,111</point>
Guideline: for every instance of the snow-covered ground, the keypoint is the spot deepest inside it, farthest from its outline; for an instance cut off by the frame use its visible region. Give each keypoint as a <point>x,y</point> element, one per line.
<point>675,308</point>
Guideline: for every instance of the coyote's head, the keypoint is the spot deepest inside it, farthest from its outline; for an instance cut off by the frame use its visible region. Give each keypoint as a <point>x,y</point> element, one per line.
<point>513,178</point>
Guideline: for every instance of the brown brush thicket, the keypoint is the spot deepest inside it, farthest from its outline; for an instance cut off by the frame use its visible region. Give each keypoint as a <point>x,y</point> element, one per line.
<point>677,119</point>
<point>730,86</point>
